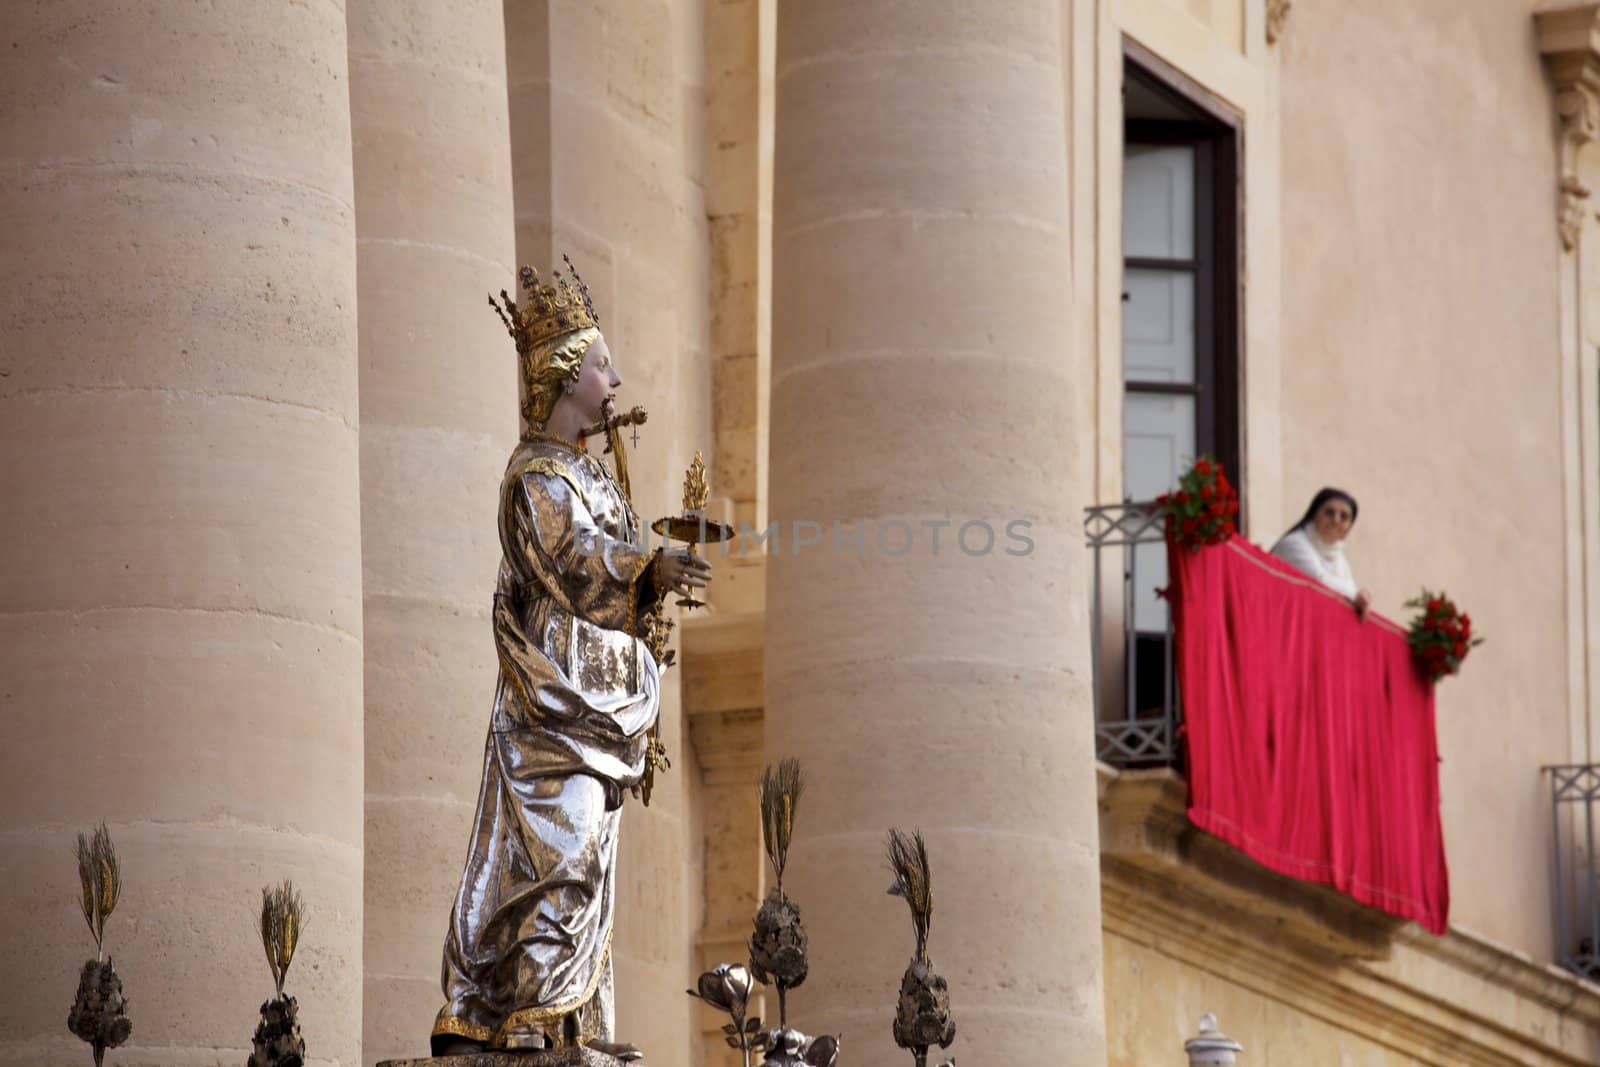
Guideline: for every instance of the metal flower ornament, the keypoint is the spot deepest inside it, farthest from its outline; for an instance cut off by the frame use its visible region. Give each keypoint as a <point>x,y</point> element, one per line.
<point>727,988</point>
<point>778,945</point>
<point>99,1013</point>
<point>786,1047</point>
<point>922,1018</point>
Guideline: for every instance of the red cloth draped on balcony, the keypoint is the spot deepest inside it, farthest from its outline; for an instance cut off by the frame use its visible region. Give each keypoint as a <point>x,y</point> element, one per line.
<point>1310,734</point>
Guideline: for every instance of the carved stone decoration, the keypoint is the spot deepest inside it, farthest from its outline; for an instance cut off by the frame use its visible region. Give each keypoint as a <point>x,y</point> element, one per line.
<point>1569,40</point>
<point>1277,17</point>
<point>1570,208</point>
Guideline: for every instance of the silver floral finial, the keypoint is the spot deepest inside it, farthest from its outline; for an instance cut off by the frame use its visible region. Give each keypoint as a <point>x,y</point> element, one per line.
<point>726,987</point>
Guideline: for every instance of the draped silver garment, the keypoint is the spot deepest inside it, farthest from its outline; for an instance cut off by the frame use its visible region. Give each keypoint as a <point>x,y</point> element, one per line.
<point>527,955</point>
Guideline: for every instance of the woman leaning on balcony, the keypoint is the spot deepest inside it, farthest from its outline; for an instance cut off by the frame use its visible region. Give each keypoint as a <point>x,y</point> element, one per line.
<point>1315,545</point>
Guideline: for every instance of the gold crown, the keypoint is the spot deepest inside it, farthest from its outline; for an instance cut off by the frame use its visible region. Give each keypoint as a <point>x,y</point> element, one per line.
<point>547,310</point>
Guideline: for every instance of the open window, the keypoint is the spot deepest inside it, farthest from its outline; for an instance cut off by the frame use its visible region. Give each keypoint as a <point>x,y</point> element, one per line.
<point>1180,247</point>
<point>1180,330</point>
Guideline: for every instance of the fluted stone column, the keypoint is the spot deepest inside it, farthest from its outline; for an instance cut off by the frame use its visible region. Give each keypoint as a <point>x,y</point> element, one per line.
<point>180,599</point>
<point>923,373</point>
<point>438,419</point>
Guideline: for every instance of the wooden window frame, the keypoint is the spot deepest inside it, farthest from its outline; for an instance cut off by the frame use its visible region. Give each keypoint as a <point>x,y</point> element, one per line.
<point>1217,135</point>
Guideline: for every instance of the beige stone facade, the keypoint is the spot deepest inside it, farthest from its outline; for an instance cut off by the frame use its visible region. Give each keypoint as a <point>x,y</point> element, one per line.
<point>868,257</point>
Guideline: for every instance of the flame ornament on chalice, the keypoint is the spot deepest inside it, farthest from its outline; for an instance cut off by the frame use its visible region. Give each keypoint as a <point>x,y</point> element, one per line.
<point>99,1013</point>
<point>922,1018</point>
<point>693,527</point>
<point>277,1041</point>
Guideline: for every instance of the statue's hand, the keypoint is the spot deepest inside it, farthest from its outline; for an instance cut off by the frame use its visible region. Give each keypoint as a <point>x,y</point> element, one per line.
<point>679,572</point>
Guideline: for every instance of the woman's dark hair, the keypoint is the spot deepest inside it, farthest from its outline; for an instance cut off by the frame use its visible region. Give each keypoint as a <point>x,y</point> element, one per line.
<point>1323,496</point>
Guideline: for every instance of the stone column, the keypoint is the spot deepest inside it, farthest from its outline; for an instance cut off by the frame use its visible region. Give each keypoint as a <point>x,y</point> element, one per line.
<point>438,419</point>
<point>739,207</point>
<point>180,605</point>
<point>924,378</point>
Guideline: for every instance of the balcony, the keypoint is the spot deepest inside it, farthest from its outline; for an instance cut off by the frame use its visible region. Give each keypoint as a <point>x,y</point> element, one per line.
<point>1302,738</point>
<point>1136,699</point>
<point>1146,837</point>
<point>1574,794</point>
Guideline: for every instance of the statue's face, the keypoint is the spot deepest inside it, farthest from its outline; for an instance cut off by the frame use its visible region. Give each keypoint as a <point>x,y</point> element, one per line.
<point>598,383</point>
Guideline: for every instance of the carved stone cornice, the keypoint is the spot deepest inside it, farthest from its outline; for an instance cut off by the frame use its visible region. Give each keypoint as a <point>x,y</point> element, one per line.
<point>1569,40</point>
<point>1146,839</point>
<point>1277,18</point>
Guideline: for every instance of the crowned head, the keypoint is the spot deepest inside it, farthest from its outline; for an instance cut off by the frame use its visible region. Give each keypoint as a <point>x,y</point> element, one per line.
<point>553,327</point>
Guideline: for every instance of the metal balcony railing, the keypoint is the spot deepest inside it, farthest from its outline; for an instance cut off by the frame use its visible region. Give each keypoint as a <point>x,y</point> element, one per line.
<point>1574,796</point>
<point>1137,706</point>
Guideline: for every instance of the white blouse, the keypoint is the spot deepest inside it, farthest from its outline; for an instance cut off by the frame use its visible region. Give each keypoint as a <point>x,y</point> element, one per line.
<point>1303,550</point>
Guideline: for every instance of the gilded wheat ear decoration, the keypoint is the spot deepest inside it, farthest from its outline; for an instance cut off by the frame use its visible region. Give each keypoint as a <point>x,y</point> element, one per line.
<point>99,1014</point>
<point>277,1041</point>
<point>908,858</point>
<point>922,1017</point>
<point>101,879</point>
<point>282,919</point>
<point>778,943</point>
<point>781,788</point>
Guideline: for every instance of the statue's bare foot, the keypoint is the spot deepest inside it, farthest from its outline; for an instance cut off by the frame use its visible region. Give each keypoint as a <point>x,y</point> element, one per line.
<point>624,1052</point>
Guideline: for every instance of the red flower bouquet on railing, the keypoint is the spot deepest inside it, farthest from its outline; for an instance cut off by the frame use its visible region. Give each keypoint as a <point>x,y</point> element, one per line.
<point>1440,636</point>
<point>1205,508</point>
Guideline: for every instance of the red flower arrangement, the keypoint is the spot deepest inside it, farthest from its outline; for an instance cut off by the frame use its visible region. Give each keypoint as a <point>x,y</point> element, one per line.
<point>1205,508</point>
<point>1441,636</point>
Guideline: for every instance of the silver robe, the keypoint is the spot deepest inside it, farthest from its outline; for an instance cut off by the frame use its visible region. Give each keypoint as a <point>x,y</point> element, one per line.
<point>528,952</point>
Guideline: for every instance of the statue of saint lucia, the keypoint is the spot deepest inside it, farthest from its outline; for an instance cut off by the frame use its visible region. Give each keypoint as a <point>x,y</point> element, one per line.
<point>578,632</point>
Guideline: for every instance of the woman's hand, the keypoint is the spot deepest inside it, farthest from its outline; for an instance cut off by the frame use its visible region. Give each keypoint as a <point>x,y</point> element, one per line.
<point>1363,603</point>
<point>679,572</point>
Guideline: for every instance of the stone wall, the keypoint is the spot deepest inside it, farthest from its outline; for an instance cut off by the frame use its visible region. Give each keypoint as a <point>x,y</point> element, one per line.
<point>1422,371</point>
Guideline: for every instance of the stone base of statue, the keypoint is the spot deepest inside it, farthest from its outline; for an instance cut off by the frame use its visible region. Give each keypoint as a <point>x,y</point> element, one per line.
<point>569,1057</point>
